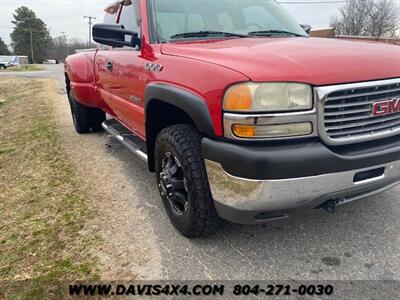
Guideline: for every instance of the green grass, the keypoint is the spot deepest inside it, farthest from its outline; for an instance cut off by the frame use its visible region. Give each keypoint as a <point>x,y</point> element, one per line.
<point>42,205</point>
<point>24,68</point>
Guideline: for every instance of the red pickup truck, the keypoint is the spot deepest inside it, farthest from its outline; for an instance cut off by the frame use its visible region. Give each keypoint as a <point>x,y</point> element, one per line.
<point>241,115</point>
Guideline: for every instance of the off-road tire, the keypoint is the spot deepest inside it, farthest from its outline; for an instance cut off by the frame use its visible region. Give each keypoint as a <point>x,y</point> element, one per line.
<point>3,67</point>
<point>200,218</point>
<point>86,119</point>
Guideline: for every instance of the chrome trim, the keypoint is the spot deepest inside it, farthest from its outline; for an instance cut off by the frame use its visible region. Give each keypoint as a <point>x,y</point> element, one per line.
<point>231,119</point>
<point>141,155</point>
<point>356,197</point>
<point>280,195</point>
<point>365,94</point>
<point>321,94</point>
<point>370,180</point>
<point>125,141</point>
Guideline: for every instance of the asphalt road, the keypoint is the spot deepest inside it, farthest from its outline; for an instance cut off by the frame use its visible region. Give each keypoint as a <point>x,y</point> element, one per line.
<point>361,241</point>
<point>29,74</point>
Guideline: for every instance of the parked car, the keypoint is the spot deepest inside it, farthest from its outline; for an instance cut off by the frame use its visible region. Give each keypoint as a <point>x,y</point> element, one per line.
<point>51,62</point>
<point>241,115</point>
<point>7,61</point>
<point>4,63</point>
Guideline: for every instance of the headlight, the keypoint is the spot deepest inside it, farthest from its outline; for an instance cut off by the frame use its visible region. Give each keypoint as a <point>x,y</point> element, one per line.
<point>268,97</point>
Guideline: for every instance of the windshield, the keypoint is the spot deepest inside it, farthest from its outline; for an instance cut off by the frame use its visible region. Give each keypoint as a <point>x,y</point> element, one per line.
<point>210,18</point>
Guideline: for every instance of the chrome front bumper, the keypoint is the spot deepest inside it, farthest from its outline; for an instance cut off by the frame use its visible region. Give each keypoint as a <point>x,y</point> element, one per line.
<point>242,200</point>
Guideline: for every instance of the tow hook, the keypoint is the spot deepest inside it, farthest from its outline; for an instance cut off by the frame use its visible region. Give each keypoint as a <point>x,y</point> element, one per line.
<point>329,206</point>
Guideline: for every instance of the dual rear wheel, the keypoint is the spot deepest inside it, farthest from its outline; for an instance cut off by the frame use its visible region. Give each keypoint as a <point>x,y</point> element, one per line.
<point>86,119</point>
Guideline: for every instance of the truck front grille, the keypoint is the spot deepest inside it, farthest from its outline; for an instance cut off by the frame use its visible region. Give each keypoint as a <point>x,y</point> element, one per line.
<point>348,114</point>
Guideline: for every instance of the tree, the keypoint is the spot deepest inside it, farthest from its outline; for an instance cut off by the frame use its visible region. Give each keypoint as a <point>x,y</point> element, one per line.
<point>62,47</point>
<point>59,50</point>
<point>377,18</point>
<point>3,48</point>
<point>30,36</point>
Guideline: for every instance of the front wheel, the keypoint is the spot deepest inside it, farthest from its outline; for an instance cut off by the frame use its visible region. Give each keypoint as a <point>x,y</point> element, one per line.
<point>182,181</point>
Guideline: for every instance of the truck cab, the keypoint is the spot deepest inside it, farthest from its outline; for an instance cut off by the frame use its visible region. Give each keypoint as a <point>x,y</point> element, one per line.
<point>241,115</point>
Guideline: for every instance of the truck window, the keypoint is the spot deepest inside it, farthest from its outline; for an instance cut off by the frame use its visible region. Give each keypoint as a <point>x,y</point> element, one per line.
<point>257,17</point>
<point>109,18</point>
<point>226,21</point>
<point>130,16</point>
<point>236,16</point>
<point>172,23</point>
<point>111,13</point>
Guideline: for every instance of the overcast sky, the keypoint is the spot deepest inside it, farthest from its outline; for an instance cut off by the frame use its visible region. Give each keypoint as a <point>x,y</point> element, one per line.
<point>67,15</point>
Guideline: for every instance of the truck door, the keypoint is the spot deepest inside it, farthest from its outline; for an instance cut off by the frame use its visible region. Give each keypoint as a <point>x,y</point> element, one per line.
<point>120,74</point>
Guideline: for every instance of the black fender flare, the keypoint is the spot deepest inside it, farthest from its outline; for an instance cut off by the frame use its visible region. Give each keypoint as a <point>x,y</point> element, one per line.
<point>190,103</point>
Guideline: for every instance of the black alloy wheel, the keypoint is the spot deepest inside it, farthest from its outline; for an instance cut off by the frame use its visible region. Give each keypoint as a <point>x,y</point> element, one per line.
<point>183,183</point>
<point>173,184</point>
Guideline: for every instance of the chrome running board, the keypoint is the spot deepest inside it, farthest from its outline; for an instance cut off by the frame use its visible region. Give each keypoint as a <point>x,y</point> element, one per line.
<point>126,137</point>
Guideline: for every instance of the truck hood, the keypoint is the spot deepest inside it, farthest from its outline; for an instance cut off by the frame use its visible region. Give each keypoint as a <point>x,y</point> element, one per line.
<point>309,60</point>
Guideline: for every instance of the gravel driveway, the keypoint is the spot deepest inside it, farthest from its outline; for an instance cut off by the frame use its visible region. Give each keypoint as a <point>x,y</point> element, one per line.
<point>361,241</point>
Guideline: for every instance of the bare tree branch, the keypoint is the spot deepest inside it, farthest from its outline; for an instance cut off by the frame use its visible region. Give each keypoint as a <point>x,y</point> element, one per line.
<point>377,18</point>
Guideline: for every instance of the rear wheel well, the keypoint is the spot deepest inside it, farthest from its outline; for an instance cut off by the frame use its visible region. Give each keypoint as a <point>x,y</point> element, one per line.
<point>67,83</point>
<point>160,115</point>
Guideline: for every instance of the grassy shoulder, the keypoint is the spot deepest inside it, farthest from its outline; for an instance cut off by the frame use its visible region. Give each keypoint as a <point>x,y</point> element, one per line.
<point>42,205</point>
<point>24,68</point>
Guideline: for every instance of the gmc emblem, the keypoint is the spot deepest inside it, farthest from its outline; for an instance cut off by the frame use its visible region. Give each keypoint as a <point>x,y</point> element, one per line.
<point>386,107</point>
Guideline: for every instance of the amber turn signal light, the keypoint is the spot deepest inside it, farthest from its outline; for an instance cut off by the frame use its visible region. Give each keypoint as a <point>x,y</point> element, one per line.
<point>272,130</point>
<point>244,131</point>
<point>238,98</point>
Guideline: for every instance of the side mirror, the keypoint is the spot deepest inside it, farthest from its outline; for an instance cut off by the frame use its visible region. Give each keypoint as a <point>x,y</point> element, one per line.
<point>306,28</point>
<point>115,35</point>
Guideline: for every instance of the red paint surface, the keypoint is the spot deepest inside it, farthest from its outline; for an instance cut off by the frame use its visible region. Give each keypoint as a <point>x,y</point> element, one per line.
<point>207,68</point>
<point>310,60</point>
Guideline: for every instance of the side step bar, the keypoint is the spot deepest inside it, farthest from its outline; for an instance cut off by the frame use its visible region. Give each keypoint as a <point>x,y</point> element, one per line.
<point>126,137</point>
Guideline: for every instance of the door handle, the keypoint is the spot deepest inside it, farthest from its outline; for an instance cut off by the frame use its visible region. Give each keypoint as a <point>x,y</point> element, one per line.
<point>109,66</point>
